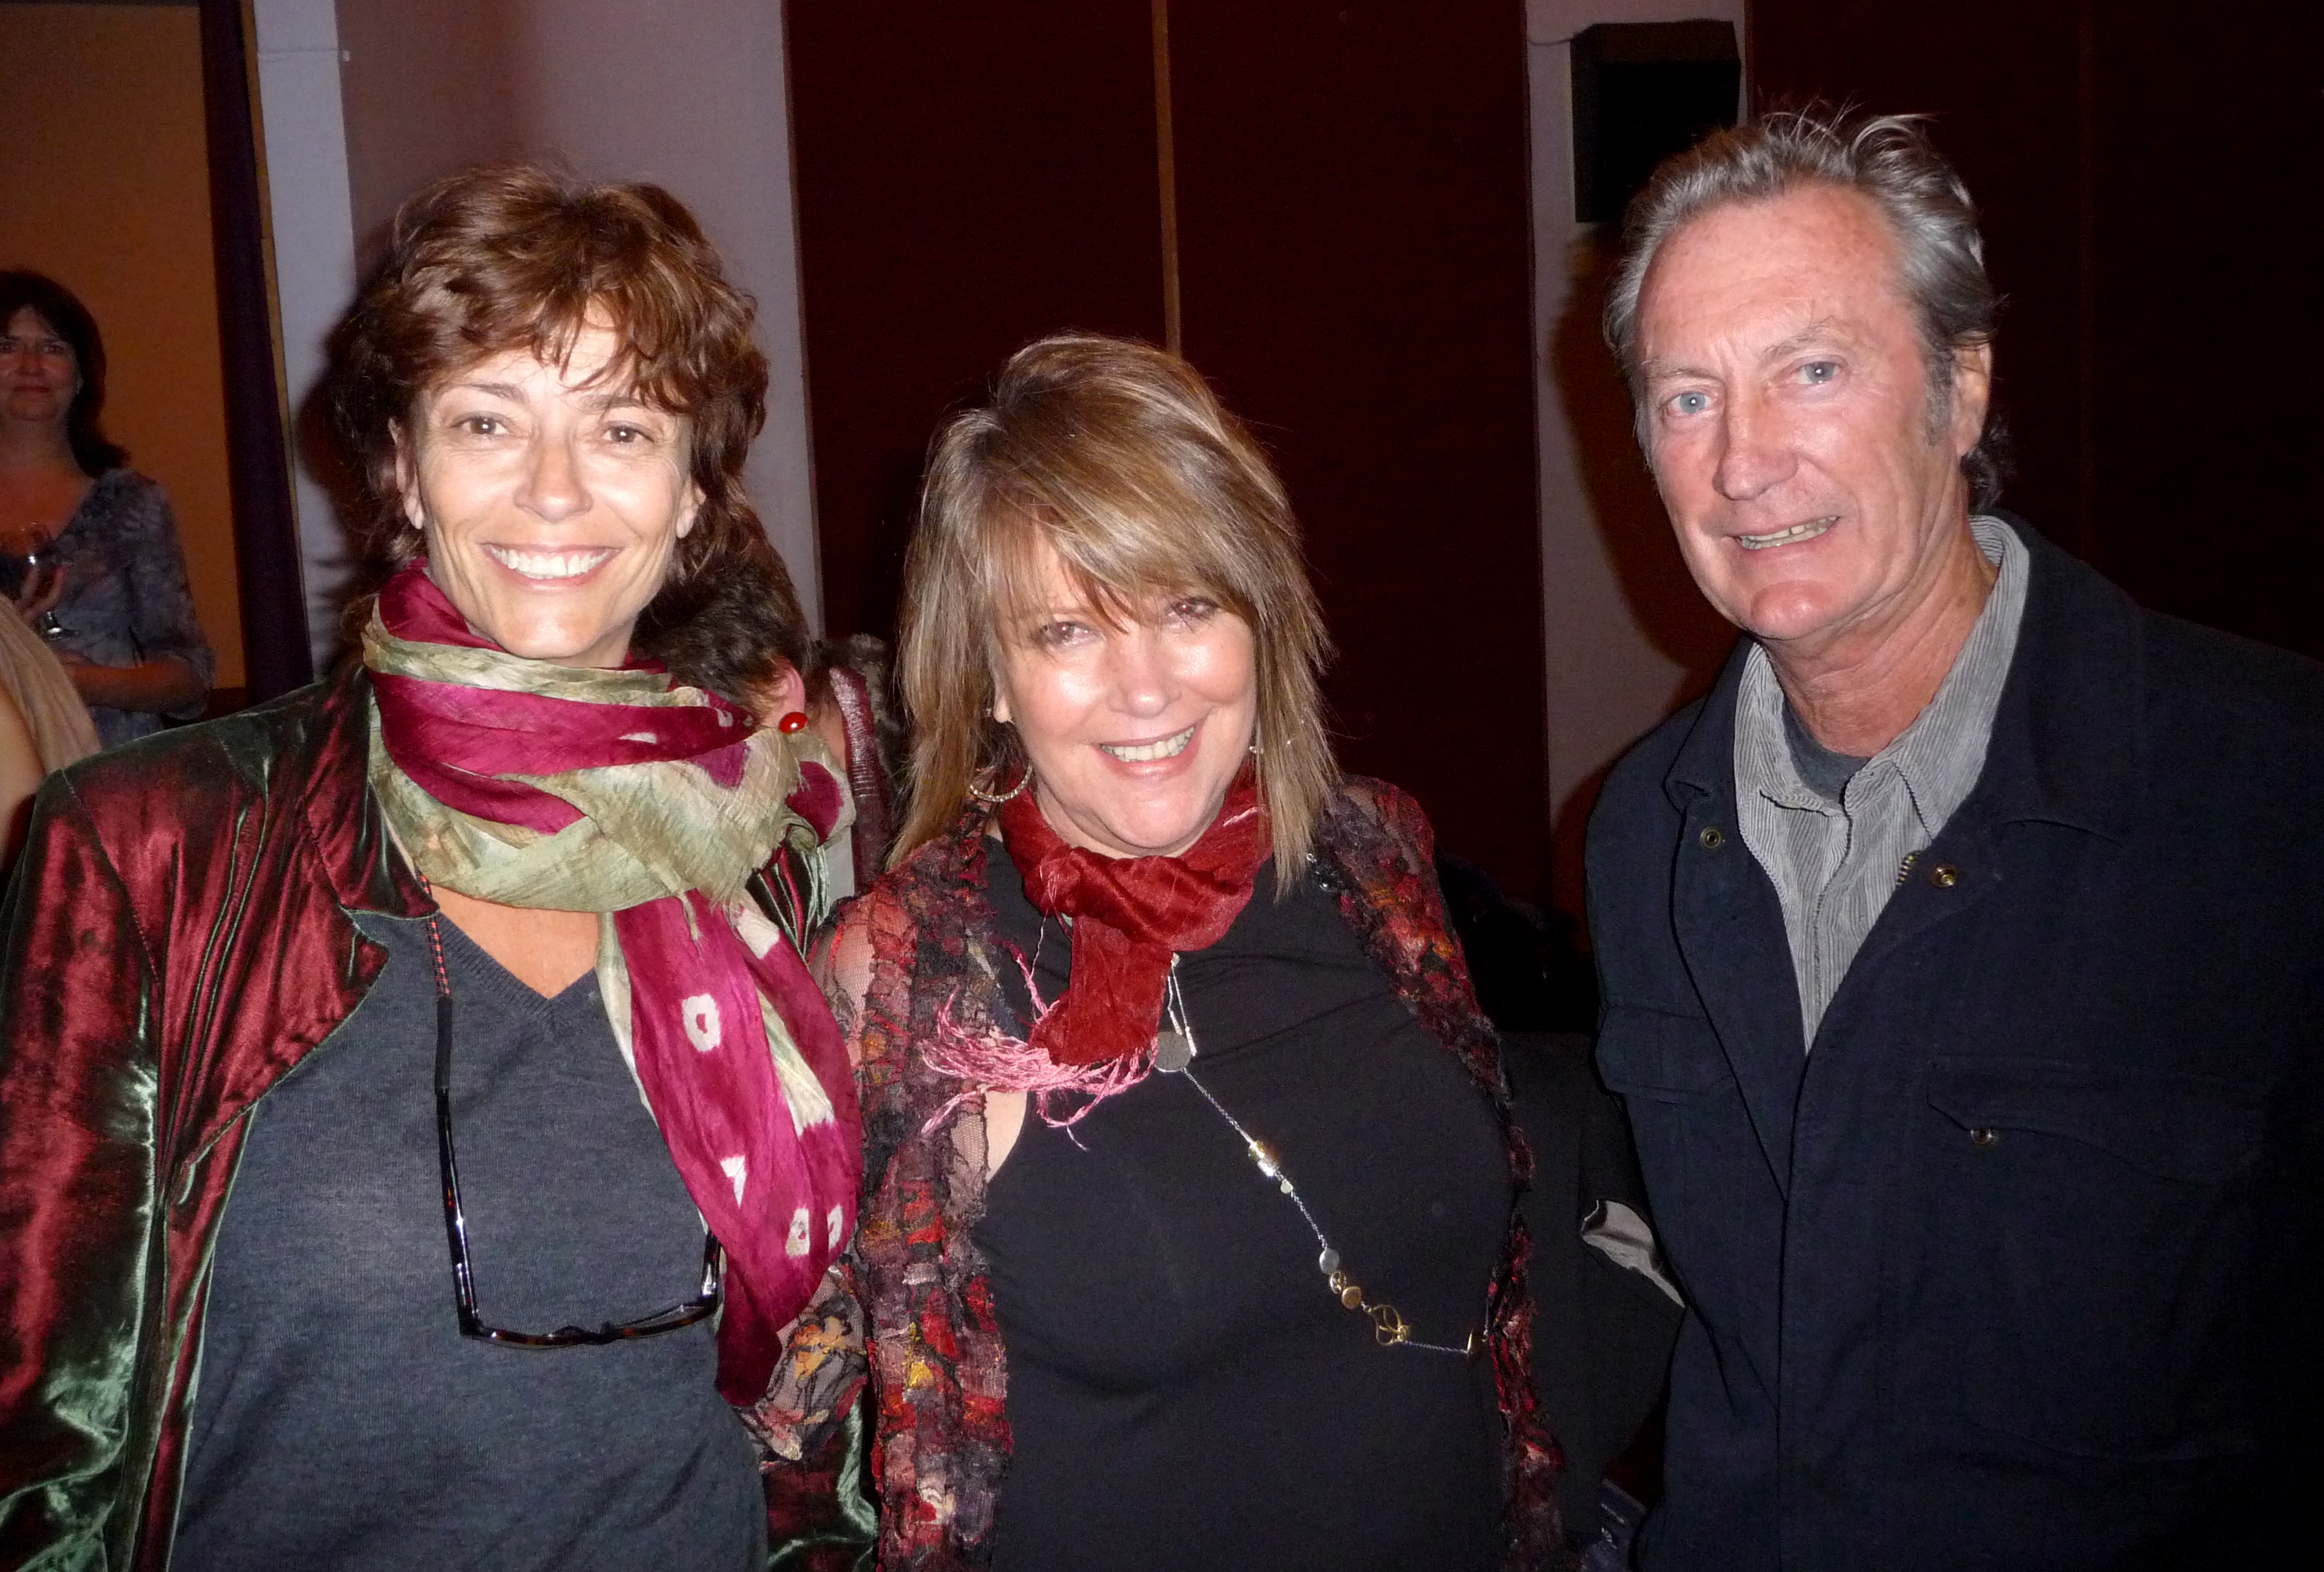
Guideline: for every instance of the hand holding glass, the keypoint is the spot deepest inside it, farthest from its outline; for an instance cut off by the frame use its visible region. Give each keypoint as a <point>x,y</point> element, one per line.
<point>31,575</point>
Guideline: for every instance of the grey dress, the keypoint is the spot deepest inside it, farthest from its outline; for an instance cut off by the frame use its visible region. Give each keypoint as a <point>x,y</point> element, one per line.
<point>126,599</point>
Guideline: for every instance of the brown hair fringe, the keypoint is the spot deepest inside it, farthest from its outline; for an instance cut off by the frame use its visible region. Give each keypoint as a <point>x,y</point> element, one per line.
<point>515,257</point>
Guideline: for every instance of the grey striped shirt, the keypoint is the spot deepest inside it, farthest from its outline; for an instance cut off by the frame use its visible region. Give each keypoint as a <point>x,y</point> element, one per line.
<point>1834,864</point>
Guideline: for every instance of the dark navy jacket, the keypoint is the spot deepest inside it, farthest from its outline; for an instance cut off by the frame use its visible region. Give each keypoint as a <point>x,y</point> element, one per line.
<point>2018,1268</point>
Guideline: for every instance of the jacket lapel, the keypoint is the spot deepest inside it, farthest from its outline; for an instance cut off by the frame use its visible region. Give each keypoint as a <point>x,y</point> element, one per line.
<point>270,917</point>
<point>344,823</point>
<point>1731,926</point>
<point>2067,748</point>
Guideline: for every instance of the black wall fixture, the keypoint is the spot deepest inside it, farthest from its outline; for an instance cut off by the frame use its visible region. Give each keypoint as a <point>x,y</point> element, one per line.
<point>1641,91</point>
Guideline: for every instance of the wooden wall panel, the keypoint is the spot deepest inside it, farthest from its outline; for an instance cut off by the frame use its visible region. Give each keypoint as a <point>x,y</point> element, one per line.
<point>2209,309</point>
<point>1352,240</point>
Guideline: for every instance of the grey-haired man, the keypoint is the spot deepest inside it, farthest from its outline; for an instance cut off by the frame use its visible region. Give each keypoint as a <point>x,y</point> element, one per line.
<point>1962,951</point>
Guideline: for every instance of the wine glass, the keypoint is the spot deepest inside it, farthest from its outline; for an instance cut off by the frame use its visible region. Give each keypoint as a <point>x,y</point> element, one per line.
<point>26,553</point>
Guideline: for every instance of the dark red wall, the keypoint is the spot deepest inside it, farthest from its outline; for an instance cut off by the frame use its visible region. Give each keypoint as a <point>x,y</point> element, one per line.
<point>1354,250</point>
<point>2006,117</point>
<point>2152,182</point>
<point>1354,257</point>
<point>971,174</point>
<point>2209,310</point>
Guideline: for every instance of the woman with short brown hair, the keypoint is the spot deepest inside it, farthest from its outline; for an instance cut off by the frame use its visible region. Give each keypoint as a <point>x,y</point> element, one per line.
<point>1188,1236</point>
<point>486,946</point>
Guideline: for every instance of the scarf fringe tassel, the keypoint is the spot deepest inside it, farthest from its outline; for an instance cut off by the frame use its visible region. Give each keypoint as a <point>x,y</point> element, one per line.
<point>990,1060</point>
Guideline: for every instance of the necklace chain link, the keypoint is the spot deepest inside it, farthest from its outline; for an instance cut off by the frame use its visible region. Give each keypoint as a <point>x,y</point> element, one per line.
<point>1389,1329</point>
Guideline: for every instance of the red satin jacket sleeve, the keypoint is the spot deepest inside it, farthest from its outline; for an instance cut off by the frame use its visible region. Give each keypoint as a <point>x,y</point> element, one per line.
<point>78,1201</point>
<point>178,939</point>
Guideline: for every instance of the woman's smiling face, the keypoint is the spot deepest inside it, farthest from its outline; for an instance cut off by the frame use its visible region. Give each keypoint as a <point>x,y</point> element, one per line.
<point>39,376</point>
<point>551,503</point>
<point>1136,723</point>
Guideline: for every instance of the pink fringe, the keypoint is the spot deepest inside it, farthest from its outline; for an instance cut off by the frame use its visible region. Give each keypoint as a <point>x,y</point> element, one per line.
<point>992,1061</point>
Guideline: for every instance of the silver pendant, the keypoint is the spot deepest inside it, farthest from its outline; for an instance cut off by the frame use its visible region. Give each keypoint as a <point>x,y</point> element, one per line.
<point>1173,1050</point>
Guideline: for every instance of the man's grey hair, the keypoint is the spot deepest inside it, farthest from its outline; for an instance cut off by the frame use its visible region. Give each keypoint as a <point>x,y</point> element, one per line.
<point>1890,162</point>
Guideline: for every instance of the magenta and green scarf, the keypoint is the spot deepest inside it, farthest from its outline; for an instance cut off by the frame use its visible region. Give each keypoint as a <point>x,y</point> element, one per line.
<point>622,793</point>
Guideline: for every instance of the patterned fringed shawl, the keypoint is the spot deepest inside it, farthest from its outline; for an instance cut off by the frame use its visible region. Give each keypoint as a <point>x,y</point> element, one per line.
<point>940,1375</point>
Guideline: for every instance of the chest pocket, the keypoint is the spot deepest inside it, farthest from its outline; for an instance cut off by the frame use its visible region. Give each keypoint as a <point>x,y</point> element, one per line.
<point>2094,1229</point>
<point>1660,1055</point>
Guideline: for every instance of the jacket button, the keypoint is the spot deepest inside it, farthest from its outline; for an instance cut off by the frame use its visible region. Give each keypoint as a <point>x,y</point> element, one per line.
<point>1944,876</point>
<point>1712,837</point>
<point>1983,1135</point>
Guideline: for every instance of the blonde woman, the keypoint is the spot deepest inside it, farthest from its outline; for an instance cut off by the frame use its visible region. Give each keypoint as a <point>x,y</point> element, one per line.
<point>1188,1237</point>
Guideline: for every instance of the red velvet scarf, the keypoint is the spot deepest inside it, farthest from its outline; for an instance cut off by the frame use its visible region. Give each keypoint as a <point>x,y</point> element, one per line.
<point>774,1170</point>
<point>1131,915</point>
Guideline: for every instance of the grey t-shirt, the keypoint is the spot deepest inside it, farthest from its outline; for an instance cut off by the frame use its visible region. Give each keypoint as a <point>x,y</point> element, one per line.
<point>1825,770</point>
<point>339,1418</point>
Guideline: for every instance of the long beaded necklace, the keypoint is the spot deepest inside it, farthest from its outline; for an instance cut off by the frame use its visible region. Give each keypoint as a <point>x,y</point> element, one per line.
<point>1174,1054</point>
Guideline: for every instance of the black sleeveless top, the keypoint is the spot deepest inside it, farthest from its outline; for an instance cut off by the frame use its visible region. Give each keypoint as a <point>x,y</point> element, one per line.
<point>1184,1390</point>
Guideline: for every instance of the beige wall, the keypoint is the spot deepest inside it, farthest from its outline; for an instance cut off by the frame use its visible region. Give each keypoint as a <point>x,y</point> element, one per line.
<point>104,185</point>
<point>429,87</point>
<point>1627,636</point>
<point>687,93</point>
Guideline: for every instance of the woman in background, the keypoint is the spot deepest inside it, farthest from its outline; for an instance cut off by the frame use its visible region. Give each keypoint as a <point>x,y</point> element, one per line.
<point>1189,1235</point>
<point>118,592</point>
<point>487,943</point>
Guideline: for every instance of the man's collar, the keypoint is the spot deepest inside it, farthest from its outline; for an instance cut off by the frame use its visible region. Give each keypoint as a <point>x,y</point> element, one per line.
<point>2068,742</point>
<point>1763,748</point>
<point>2070,739</point>
<point>1705,765</point>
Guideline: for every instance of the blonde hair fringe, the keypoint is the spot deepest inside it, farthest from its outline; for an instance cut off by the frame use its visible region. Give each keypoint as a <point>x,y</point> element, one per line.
<point>1119,457</point>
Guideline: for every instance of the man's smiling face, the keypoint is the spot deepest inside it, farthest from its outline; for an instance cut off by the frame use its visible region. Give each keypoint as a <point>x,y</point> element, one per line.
<point>1814,483</point>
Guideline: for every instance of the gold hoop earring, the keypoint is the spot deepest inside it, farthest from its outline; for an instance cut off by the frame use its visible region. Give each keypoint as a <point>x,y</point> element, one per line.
<point>992,801</point>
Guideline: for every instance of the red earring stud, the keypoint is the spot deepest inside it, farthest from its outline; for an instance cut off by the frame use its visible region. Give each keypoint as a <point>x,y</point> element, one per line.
<point>790,723</point>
